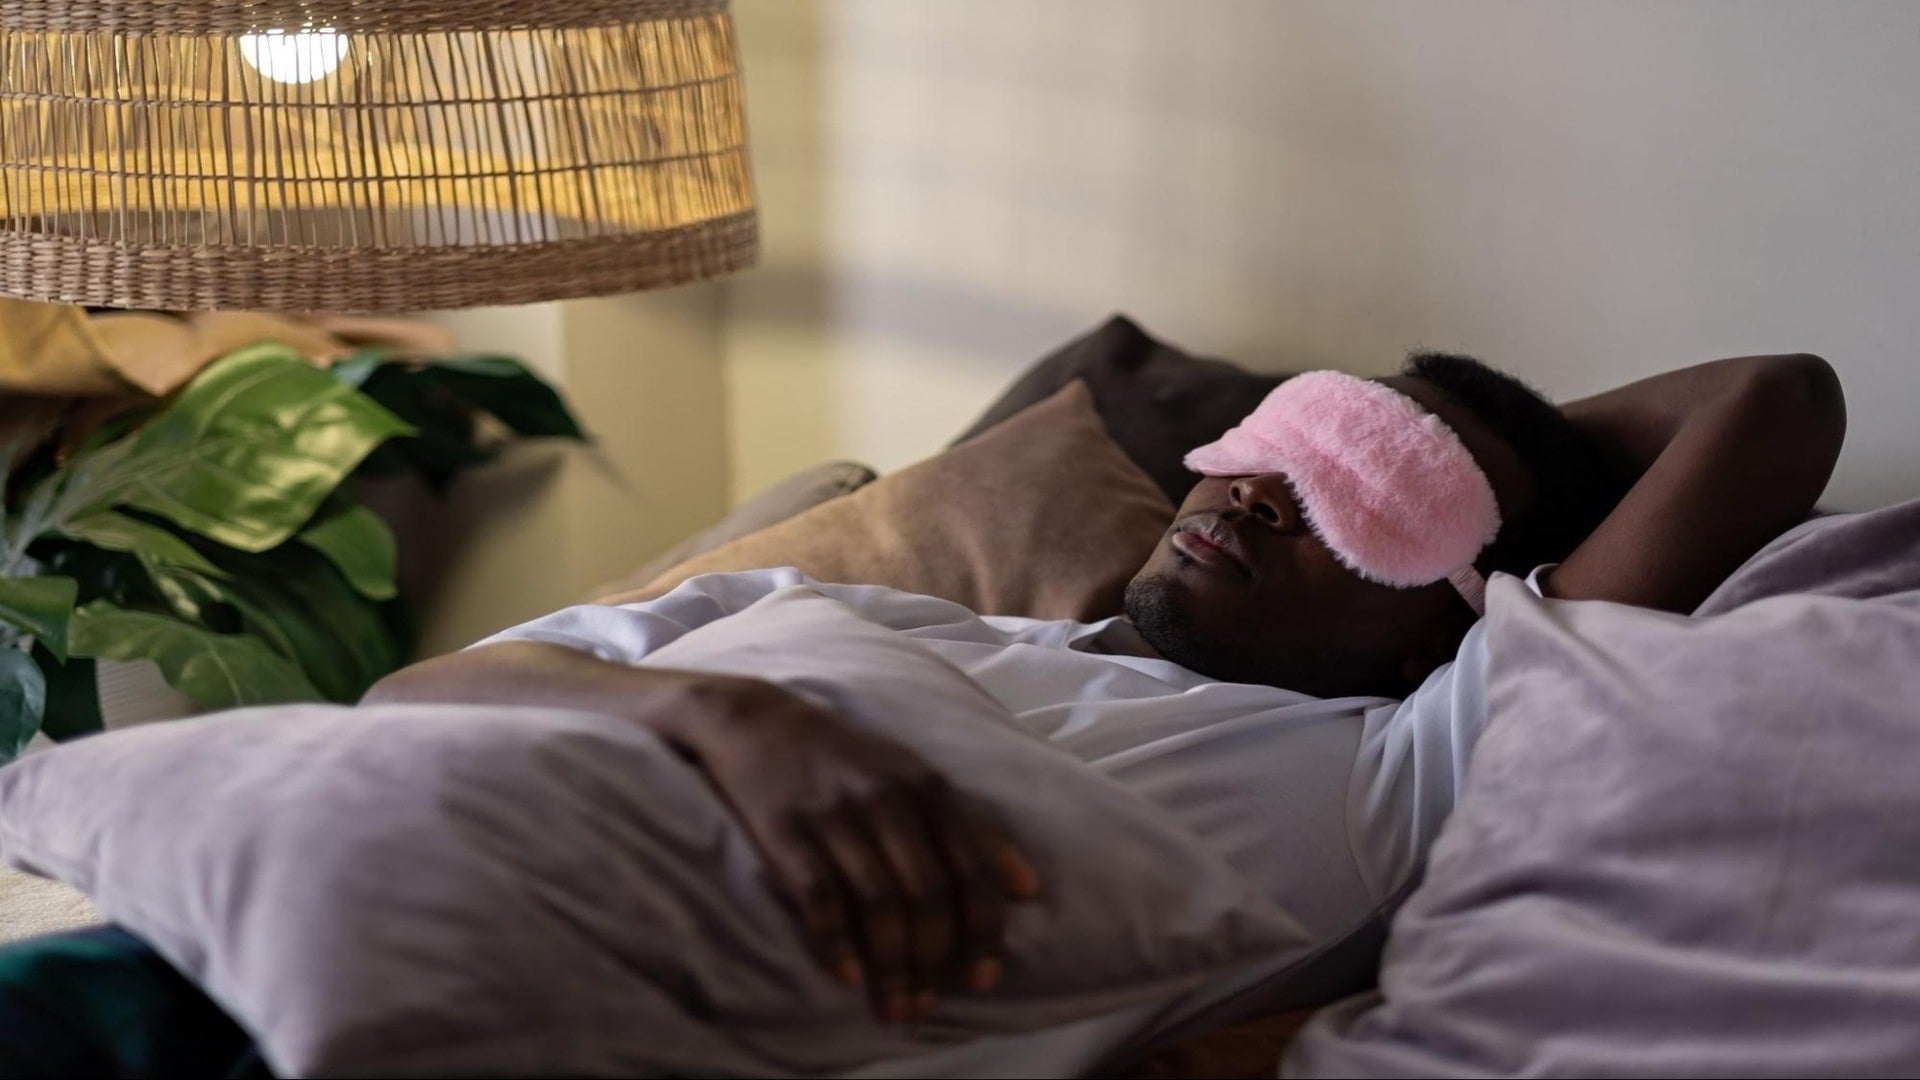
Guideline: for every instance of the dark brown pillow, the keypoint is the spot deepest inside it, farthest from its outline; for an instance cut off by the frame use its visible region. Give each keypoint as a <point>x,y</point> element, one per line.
<point>1042,516</point>
<point>1157,401</point>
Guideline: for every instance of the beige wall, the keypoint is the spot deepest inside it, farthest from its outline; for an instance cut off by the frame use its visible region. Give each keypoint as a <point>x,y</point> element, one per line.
<point>543,527</point>
<point>1583,191</point>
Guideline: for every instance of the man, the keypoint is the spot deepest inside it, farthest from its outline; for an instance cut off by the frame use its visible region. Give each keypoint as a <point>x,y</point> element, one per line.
<point>903,889</point>
<point>1250,695</point>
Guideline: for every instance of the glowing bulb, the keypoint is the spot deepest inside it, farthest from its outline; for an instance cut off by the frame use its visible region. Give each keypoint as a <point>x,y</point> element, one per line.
<point>303,56</point>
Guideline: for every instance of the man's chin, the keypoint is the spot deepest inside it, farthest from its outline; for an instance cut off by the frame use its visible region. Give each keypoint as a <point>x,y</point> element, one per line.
<point>1161,608</point>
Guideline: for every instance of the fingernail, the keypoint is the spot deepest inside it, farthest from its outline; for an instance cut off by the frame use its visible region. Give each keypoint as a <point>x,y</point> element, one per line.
<point>1022,880</point>
<point>985,974</point>
<point>850,972</point>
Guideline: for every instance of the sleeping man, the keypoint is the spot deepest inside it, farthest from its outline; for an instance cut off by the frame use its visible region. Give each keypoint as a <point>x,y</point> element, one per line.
<point>1365,583</point>
<point>1296,690</point>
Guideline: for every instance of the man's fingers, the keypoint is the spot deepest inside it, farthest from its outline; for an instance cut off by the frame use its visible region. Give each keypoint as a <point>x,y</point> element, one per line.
<point>877,913</point>
<point>1016,873</point>
<point>900,827</point>
<point>978,897</point>
<point>806,873</point>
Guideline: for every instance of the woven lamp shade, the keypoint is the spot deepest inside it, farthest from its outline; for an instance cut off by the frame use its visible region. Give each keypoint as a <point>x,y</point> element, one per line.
<point>367,155</point>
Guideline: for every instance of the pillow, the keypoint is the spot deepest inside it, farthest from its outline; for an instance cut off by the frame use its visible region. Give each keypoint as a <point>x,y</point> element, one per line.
<point>1043,516</point>
<point>1686,848</point>
<point>787,498</point>
<point>1157,402</point>
<point>465,890</point>
<point>1864,555</point>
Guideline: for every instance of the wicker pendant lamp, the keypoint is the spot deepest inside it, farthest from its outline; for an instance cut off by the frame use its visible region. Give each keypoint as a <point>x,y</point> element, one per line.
<point>367,155</point>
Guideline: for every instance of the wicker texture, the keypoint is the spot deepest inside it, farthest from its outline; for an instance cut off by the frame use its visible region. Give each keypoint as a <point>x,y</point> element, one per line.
<point>397,155</point>
<point>353,16</point>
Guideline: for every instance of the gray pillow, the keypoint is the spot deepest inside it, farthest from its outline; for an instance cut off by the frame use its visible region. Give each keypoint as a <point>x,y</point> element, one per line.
<point>1857,555</point>
<point>451,890</point>
<point>1687,847</point>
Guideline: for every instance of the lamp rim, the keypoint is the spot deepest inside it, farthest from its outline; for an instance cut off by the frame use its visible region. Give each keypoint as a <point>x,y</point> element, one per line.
<point>102,273</point>
<point>201,17</point>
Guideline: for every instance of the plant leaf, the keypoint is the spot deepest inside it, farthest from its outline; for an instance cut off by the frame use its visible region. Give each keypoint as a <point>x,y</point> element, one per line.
<point>40,606</point>
<point>23,700</point>
<point>73,697</point>
<point>356,369</point>
<point>116,531</point>
<point>359,545</point>
<point>507,389</point>
<point>217,671</point>
<point>300,606</point>
<point>244,455</point>
<point>338,635</point>
<point>446,440</point>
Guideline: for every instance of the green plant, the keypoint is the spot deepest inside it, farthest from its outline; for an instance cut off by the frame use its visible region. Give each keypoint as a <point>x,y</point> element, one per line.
<point>213,535</point>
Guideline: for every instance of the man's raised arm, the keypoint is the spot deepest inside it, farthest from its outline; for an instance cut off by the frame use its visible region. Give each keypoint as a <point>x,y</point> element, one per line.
<point>1728,454</point>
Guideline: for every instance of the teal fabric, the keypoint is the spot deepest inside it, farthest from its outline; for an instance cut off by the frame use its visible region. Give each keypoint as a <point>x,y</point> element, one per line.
<point>100,1002</point>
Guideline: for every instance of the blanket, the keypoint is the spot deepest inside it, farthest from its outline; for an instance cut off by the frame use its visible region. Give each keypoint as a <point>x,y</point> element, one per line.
<point>1686,846</point>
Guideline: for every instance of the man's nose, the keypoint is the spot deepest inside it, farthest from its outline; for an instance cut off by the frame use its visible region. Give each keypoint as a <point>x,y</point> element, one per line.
<point>1267,497</point>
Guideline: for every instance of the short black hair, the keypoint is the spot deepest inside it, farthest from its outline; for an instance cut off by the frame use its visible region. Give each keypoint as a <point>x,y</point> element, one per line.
<point>1575,485</point>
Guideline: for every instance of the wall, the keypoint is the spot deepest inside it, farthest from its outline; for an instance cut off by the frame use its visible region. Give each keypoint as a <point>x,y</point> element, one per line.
<point>1583,192</point>
<point>547,524</point>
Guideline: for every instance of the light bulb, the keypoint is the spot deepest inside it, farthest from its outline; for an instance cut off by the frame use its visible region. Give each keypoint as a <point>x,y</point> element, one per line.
<point>303,56</point>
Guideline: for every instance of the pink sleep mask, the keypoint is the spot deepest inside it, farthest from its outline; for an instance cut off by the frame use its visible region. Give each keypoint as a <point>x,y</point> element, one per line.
<point>1384,483</point>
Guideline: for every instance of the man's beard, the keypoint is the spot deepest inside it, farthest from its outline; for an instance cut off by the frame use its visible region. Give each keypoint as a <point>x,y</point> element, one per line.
<point>1156,611</point>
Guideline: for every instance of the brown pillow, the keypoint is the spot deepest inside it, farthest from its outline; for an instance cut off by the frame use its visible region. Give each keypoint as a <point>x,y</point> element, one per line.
<point>787,498</point>
<point>1043,516</point>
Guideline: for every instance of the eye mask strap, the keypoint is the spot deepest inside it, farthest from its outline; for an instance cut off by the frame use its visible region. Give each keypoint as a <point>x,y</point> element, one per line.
<point>1472,588</point>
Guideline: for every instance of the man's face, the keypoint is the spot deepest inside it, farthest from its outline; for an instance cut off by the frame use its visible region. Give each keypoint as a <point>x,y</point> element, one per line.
<point>1240,588</point>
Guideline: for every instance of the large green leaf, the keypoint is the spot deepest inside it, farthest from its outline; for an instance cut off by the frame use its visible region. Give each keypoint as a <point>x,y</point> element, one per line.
<point>23,698</point>
<point>102,575</point>
<point>504,387</point>
<point>196,597</point>
<point>359,545</point>
<point>40,606</point>
<point>441,398</point>
<point>337,634</point>
<point>216,670</point>
<point>116,531</point>
<point>446,440</point>
<point>73,696</point>
<point>299,605</point>
<point>244,455</point>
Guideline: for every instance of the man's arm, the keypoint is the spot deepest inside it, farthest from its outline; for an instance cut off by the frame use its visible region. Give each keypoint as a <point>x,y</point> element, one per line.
<point>1728,454</point>
<point>898,885</point>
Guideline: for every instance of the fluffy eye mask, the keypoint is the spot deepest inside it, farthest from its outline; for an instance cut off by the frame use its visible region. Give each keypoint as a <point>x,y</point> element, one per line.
<point>1384,483</point>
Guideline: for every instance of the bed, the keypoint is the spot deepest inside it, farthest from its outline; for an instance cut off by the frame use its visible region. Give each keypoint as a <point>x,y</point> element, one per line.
<point>1646,830</point>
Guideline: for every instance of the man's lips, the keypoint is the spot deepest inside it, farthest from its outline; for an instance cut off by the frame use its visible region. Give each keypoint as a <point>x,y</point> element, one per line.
<point>1211,542</point>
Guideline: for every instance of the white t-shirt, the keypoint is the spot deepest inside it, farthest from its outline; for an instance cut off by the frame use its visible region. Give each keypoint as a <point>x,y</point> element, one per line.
<point>1331,804</point>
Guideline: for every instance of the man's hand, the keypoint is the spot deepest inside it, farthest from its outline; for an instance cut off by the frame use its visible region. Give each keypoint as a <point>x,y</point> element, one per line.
<point>900,888</point>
